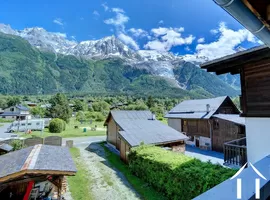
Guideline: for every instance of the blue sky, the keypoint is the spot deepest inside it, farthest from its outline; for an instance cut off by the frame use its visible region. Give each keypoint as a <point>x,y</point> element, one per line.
<point>180,26</point>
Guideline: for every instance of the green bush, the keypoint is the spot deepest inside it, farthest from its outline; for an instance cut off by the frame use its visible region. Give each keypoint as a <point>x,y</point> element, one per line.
<point>99,117</point>
<point>175,175</point>
<point>56,126</point>
<point>17,145</point>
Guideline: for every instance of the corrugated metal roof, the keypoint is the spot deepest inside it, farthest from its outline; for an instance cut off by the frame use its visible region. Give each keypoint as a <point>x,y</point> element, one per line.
<point>21,107</point>
<point>9,113</point>
<point>232,118</point>
<point>148,132</point>
<point>196,109</point>
<point>38,157</point>
<point>131,114</point>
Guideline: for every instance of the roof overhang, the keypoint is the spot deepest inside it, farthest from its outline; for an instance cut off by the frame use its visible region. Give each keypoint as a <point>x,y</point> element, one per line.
<point>252,14</point>
<point>233,63</point>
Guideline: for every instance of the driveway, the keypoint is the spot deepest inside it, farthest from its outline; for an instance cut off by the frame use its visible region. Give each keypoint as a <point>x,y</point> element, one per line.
<point>3,133</point>
<point>84,141</point>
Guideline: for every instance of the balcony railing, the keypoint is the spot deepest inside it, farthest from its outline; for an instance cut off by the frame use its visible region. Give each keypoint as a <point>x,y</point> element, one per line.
<point>235,152</point>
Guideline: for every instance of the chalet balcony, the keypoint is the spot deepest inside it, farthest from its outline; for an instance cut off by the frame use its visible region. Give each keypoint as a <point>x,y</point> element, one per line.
<point>235,152</point>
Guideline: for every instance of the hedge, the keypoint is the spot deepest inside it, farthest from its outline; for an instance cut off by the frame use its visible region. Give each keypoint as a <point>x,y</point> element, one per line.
<point>56,125</point>
<point>175,175</point>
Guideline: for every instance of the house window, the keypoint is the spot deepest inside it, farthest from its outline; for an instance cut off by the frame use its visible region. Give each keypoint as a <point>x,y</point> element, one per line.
<point>216,124</point>
<point>37,123</point>
<point>12,109</point>
<point>29,124</point>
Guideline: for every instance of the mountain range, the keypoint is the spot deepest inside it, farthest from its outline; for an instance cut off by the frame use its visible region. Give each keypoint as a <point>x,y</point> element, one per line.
<point>34,61</point>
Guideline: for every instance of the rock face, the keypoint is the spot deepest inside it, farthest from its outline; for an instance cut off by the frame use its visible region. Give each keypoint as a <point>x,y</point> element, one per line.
<point>163,64</point>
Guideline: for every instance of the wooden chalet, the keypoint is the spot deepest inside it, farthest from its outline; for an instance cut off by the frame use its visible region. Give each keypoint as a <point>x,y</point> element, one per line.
<point>127,129</point>
<point>209,123</point>
<point>34,172</point>
<point>253,65</point>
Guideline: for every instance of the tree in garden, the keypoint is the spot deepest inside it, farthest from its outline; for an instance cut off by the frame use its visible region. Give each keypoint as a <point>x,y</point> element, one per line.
<point>38,111</point>
<point>101,106</point>
<point>80,116</point>
<point>150,102</point>
<point>13,101</point>
<point>59,107</point>
<point>79,105</point>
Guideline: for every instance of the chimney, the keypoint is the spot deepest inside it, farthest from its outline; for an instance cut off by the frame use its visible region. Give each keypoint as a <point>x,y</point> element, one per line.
<point>208,108</point>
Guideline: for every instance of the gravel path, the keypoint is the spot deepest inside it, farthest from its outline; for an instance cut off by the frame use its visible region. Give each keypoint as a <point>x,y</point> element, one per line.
<point>106,182</point>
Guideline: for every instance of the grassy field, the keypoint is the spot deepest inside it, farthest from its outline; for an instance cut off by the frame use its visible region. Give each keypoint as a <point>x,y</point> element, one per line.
<point>145,191</point>
<point>71,131</point>
<point>1,125</point>
<point>6,120</point>
<point>79,184</point>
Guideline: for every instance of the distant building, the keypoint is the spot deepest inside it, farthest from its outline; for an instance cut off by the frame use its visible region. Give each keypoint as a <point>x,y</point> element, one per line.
<point>127,129</point>
<point>209,123</point>
<point>16,112</point>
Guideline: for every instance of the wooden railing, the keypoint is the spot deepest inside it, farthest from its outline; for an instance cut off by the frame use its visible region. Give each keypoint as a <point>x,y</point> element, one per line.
<point>235,152</point>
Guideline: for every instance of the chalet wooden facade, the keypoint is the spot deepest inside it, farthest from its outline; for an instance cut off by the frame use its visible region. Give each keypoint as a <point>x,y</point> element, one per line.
<point>209,123</point>
<point>253,65</point>
<point>127,129</point>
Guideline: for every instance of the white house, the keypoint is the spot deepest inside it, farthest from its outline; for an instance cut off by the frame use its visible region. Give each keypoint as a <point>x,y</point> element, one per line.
<point>15,112</point>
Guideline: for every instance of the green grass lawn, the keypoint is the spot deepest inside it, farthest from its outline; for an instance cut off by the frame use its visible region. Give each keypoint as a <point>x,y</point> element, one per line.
<point>6,120</point>
<point>71,131</point>
<point>145,191</point>
<point>79,184</point>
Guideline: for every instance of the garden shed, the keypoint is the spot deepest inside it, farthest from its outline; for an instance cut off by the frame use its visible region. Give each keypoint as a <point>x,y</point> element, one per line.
<point>35,171</point>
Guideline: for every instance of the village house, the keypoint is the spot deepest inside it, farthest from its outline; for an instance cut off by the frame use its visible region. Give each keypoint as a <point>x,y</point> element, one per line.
<point>15,112</point>
<point>209,123</point>
<point>127,129</point>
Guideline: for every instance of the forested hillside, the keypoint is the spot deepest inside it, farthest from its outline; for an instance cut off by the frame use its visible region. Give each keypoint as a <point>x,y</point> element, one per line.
<point>26,70</point>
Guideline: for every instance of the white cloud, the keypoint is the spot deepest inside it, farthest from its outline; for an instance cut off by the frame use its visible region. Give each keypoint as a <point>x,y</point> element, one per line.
<point>105,6</point>
<point>187,48</point>
<point>128,41</point>
<point>96,13</point>
<point>138,32</point>
<point>119,20</point>
<point>58,21</point>
<point>166,38</point>
<point>161,22</point>
<point>201,40</point>
<point>226,43</point>
<point>118,10</point>
<point>214,31</point>
<point>73,37</point>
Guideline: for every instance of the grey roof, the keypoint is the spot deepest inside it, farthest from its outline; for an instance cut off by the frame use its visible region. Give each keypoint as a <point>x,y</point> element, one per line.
<point>196,109</point>
<point>6,147</point>
<point>148,132</point>
<point>21,107</point>
<point>129,114</point>
<point>38,157</point>
<point>9,113</point>
<point>232,118</point>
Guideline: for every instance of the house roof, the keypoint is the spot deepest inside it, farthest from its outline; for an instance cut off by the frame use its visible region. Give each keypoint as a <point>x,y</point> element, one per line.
<point>148,131</point>
<point>233,63</point>
<point>129,114</point>
<point>232,118</point>
<point>9,113</point>
<point>196,109</point>
<point>41,159</point>
<point>6,147</point>
<point>21,107</point>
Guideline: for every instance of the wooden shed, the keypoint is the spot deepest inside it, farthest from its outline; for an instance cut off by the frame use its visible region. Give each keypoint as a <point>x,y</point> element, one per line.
<point>128,129</point>
<point>34,172</point>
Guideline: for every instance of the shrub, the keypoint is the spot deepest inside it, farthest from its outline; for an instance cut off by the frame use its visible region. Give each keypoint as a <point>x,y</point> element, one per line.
<point>17,145</point>
<point>56,126</point>
<point>175,175</point>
